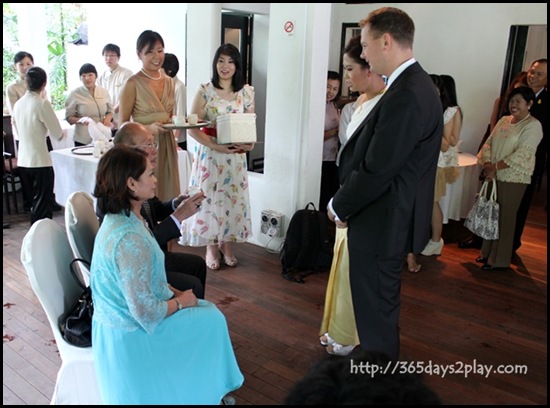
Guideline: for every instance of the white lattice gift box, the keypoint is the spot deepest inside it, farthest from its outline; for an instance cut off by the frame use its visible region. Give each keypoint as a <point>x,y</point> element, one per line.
<point>236,128</point>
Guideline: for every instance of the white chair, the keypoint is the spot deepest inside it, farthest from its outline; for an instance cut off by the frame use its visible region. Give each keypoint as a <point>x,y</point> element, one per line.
<point>46,254</point>
<point>82,225</point>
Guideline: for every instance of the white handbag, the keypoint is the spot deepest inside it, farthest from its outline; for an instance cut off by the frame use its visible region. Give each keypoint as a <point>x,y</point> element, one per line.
<point>482,219</point>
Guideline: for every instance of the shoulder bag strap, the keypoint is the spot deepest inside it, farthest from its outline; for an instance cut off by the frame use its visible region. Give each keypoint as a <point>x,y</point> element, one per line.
<point>75,274</point>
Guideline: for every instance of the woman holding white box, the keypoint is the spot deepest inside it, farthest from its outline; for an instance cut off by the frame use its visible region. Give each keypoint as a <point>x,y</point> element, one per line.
<point>220,170</point>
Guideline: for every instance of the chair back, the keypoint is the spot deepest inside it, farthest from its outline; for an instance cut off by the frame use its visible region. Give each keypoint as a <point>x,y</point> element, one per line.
<point>46,256</point>
<point>82,224</point>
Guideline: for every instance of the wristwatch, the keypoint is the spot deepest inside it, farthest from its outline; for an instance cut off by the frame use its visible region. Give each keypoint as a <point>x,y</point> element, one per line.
<point>178,304</point>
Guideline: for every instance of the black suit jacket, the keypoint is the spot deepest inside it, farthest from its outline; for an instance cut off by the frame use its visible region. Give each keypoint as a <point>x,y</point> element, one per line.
<point>166,229</point>
<point>387,168</point>
<point>539,109</point>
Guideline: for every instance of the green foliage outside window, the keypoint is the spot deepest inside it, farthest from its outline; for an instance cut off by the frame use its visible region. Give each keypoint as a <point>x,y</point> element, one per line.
<point>63,20</point>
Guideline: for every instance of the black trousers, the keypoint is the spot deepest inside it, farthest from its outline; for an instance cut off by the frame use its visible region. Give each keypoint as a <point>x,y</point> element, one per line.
<point>38,183</point>
<point>375,290</point>
<point>329,183</point>
<point>186,271</point>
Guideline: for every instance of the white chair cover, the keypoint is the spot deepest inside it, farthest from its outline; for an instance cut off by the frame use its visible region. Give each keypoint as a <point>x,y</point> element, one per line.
<point>46,254</point>
<point>82,225</point>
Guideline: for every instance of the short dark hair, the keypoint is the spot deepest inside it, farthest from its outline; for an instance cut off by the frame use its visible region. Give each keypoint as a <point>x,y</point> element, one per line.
<point>147,39</point>
<point>115,167</point>
<point>526,93</point>
<point>540,61</point>
<point>332,381</point>
<point>36,77</point>
<point>111,48</point>
<point>87,69</point>
<point>393,21</point>
<point>232,52</point>
<point>335,76</point>
<point>22,54</point>
<point>171,65</point>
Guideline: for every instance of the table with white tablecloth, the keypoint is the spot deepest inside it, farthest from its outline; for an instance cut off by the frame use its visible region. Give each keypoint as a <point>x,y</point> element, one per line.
<point>77,172</point>
<point>460,195</point>
<point>68,133</point>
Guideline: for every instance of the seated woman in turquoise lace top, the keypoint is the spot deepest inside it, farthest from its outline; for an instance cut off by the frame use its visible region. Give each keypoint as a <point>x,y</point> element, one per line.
<point>152,343</point>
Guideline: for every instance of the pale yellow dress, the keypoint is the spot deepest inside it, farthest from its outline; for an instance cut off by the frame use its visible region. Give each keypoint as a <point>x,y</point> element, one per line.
<point>149,109</point>
<point>338,317</point>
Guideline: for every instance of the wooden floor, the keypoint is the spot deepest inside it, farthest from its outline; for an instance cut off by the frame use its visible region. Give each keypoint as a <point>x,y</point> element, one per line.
<point>452,313</point>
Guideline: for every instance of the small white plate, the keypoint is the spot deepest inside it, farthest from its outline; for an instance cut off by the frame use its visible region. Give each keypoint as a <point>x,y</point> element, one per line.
<point>83,150</point>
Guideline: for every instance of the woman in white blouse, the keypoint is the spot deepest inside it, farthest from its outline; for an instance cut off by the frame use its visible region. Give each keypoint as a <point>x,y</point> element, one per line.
<point>508,156</point>
<point>35,119</point>
<point>88,102</point>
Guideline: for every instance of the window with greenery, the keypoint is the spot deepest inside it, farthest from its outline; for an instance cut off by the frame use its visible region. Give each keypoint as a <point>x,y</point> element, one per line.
<point>63,21</point>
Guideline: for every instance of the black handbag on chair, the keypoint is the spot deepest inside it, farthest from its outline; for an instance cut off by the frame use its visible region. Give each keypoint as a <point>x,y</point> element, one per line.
<point>76,326</point>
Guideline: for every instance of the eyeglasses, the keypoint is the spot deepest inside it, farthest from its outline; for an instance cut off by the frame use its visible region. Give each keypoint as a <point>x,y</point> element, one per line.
<point>149,146</point>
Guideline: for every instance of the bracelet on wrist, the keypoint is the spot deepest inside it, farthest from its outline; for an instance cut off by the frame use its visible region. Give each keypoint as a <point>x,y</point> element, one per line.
<point>178,304</point>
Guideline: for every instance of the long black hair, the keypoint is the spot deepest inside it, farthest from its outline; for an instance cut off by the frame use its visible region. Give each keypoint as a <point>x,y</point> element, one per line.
<point>237,82</point>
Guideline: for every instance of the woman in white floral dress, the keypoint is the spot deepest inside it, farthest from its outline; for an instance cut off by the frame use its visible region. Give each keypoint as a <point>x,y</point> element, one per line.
<point>220,170</point>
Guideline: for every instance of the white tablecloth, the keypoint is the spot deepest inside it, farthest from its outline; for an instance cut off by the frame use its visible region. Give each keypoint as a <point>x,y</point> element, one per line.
<point>77,173</point>
<point>460,195</point>
<point>68,131</point>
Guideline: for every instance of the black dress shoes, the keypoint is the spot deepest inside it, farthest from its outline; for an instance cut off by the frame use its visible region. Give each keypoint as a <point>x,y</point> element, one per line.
<point>481,259</point>
<point>473,242</point>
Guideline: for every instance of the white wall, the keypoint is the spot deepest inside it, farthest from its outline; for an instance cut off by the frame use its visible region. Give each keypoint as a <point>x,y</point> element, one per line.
<point>122,27</point>
<point>466,41</point>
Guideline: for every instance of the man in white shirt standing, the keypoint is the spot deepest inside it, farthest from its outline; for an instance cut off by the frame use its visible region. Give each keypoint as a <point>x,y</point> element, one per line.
<point>114,78</point>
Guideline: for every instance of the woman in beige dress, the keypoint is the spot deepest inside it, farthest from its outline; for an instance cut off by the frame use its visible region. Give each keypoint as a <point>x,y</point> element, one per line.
<point>148,98</point>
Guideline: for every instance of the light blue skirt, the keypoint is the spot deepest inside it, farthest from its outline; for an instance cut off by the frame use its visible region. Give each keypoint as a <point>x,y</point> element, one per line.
<point>188,359</point>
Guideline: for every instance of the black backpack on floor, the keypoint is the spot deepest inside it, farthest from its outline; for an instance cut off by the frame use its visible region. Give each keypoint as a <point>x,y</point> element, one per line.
<point>307,247</point>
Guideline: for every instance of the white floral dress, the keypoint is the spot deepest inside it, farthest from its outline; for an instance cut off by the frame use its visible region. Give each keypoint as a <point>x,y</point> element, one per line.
<point>225,213</point>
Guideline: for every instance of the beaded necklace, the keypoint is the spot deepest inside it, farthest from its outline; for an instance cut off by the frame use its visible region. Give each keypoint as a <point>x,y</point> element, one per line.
<point>149,76</point>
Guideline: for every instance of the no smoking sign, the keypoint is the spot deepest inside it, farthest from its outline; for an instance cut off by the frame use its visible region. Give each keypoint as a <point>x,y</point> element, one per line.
<point>289,27</point>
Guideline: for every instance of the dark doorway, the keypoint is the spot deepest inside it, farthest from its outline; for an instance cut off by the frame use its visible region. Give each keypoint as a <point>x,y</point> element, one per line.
<point>237,30</point>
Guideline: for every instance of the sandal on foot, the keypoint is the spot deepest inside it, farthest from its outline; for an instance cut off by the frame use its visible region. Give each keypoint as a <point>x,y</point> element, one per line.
<point>229,260</point>
<point>213,264</point>
<point>339,349</point>
<point>325,340</point>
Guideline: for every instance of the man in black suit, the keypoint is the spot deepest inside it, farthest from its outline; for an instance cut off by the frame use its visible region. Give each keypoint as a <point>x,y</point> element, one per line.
<point>387,175</point>
<point>536,78</point>
<point>183,271</point>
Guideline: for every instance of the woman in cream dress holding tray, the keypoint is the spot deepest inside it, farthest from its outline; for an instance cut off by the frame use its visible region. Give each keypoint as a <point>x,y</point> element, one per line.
<point>220,170</point>
<point>148,98</point>
<point>338,330</point>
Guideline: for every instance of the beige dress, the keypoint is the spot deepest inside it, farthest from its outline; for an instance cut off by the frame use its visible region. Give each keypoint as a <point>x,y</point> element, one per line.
<point>149,109</point>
